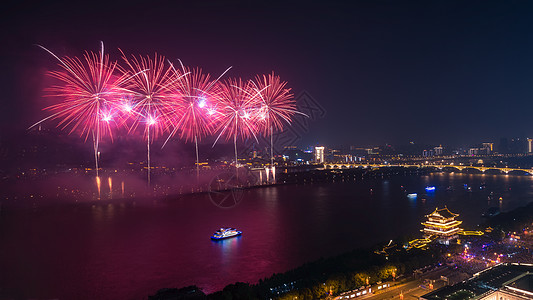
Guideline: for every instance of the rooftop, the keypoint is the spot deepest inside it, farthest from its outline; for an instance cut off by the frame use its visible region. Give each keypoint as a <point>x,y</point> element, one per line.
<point>513,278</point>
<point>521,287</point>
<point>443,212</point>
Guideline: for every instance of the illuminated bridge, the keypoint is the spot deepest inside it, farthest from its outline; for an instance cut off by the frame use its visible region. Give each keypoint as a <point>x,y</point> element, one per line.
<point>439,167</point>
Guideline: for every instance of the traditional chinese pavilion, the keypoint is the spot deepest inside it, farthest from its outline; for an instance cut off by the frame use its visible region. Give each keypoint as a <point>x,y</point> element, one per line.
<point>441,225</point>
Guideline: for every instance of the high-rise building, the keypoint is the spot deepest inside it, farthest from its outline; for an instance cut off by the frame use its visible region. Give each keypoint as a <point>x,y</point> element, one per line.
<point>489,147</point>
<point>319,154</point>
<point>474,151</point>
<point>529,145</point>
<point>438,150</point>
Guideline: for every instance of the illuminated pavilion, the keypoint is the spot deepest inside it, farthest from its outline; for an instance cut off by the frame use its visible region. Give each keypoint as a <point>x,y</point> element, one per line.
<point>441,225</point>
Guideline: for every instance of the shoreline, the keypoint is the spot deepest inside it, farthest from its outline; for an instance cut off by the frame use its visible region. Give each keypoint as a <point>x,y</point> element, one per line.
<point>306,177</point>
<point>310,177</point>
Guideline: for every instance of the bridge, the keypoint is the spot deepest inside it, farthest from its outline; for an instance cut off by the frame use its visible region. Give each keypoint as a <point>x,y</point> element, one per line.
<point>440,167</point>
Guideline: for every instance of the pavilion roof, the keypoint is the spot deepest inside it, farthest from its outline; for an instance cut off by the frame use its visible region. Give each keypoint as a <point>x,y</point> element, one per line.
<point>443,212</point>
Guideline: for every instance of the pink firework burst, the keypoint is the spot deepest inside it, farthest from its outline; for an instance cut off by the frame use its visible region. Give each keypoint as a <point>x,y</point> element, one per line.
<point>236,113</point>
<point>276,103</point>
<point>192,120</point>
<point>149,88</point>
<point>88,89</point>
<point>276,106</point>
<point>193,110</point>
<point>148,93</point>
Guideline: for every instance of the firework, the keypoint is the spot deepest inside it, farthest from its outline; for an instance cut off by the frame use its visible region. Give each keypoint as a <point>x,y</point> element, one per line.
<point>88,91</point>
<point>197,93</point>
<point>97,95</point>
<point>148,88</point>
<point>236,113</point>
<point>147,93</point>
<point>276,106</point>
<point>193,111</point>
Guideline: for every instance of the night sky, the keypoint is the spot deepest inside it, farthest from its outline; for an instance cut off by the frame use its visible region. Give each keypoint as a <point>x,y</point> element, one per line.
<point>451,72</point>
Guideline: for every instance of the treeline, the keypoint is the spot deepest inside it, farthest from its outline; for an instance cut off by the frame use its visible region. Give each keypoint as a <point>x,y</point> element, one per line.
<point>347,272</point>
<point>318,279</point>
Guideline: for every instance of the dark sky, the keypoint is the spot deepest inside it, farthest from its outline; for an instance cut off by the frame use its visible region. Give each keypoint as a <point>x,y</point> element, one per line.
<point>452,72</point>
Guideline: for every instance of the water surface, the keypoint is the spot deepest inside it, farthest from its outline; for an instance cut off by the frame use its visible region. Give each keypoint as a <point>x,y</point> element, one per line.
<point>130,249</point>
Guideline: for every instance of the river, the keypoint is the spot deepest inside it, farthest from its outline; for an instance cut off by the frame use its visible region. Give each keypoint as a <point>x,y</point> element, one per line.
<point>130,249</point>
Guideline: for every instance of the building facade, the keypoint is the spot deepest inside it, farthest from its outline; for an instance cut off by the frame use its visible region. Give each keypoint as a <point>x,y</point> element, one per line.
<point>489,148</point>
<point>319,155</point>
<point>439,150</point>
<point>441,225</point>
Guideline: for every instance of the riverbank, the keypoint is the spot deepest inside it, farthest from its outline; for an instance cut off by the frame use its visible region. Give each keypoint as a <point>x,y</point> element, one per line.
<point>322,278</point>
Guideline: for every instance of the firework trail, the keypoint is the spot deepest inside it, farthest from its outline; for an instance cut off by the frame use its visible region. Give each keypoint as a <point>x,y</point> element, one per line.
<point>149,88</point>
<point>194,109</point>
<point>276,106</point>
<point>88,91</point>
<point>96,95</point>
<point>236,113</point>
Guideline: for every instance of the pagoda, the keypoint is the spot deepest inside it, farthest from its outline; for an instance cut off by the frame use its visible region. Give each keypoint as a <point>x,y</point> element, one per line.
<point>441,225</point>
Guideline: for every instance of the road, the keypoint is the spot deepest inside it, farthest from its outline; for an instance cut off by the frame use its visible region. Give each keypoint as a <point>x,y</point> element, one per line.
<point>411,289</point>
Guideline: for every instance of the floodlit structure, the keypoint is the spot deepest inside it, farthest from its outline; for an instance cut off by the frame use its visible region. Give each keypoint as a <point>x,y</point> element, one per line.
<point>319,154</point>
<point>441,225</point>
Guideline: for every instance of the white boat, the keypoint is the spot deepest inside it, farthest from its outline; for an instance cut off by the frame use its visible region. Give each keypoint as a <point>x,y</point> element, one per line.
<point>225,232</point>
